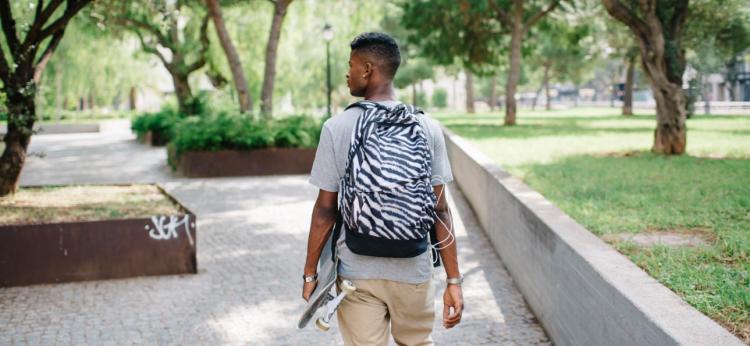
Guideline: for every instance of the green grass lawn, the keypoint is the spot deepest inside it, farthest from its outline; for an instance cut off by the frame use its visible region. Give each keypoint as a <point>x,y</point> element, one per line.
<point>595,165</point>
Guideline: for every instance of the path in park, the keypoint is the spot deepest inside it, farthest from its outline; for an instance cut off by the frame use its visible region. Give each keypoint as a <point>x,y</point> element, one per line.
<point>252,234</point>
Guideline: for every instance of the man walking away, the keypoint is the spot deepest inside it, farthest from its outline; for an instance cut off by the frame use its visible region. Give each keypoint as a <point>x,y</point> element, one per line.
<point>381,167</point>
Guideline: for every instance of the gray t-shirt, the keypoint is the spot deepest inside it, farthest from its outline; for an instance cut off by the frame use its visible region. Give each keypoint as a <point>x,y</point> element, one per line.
<point>330,165</point>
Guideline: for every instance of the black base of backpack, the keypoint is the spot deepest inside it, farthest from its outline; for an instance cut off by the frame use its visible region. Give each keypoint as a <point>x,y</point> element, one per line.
<point>380,247</point>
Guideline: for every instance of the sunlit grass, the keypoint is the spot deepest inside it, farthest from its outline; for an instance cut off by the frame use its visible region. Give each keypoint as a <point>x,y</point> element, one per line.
<point>34,205</point>
<point>541,137</point>
<point>595,165</point>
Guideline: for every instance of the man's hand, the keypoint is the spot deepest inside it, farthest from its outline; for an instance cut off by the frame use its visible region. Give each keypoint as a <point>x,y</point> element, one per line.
<point>453,306</point>
<point>308,288</point>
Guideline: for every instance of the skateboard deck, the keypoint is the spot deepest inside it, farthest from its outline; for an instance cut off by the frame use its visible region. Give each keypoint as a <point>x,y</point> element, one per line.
<point>324,294</point>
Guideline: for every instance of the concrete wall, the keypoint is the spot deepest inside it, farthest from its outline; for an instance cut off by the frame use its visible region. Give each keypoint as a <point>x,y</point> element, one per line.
<point>583,291</point>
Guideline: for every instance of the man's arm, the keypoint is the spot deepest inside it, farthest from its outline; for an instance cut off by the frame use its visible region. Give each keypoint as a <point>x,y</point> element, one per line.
<point>453,304</point>
<point>323,218</point>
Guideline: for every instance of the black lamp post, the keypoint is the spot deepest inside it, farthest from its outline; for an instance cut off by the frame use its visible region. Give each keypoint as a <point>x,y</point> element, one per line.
<point>328,36</point>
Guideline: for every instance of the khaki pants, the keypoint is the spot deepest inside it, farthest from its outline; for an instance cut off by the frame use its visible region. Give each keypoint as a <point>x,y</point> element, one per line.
<point>408,310</point>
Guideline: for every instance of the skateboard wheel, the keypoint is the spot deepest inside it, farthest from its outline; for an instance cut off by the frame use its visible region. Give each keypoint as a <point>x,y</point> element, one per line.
<point>347,286</point>
<point>322,325</point>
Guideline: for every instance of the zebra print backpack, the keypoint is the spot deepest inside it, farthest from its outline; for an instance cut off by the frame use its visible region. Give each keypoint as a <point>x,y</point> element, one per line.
<point>386,201</point>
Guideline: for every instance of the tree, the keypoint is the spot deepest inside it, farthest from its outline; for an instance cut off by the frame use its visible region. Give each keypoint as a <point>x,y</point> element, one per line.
<point>624,48</point>
<point>493,93</point>
<point>559,51</point>
<point>717,33</point>
<point>455,35</point>
<point>21,75</point>
<point>518,16</point>
<point>469,87</point>
<point>101,73</point>
<point>156,23</point>
<point>235,65</point>
<point>279,12</point>
<point>627,100</point>
<point>659,26</point>
<point>413,71</point>
<point>472,30</point>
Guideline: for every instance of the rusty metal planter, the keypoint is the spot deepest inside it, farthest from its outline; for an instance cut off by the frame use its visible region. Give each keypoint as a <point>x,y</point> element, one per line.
<point>93,250</point>
<point>156,139</point>
<point>225,163</point>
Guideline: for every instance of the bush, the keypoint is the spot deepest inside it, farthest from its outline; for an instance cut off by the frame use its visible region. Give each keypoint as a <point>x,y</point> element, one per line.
<point>440,98</point>
<point>236,132</point>
<point>161,122</point>
<point>422,100</point>
<point>199,104</point>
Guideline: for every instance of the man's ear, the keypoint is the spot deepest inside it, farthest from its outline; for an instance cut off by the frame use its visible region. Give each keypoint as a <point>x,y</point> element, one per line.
<point>368,70</point>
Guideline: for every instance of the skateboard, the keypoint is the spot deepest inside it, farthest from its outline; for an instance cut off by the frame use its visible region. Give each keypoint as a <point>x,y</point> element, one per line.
<point>324,296</point>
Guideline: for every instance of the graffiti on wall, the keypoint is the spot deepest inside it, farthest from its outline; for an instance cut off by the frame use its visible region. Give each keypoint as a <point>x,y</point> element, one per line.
<point>167,227</point>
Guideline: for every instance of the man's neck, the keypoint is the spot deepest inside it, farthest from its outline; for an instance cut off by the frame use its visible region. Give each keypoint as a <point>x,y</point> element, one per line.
<point>381,93</point>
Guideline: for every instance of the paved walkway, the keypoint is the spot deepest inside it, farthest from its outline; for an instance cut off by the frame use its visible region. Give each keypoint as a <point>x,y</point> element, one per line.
<point>251,242</point>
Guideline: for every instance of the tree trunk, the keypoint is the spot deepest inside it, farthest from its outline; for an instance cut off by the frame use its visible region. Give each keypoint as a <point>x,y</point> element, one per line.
<point>235,65</point>
<point>613,82</point>
<point>454,101</point>
<point>548,101</point>
<point>706,95</point>
<point>730,76</point>
<point>92,100</point>
<point>414,94</point>
<point>514,73</point>
<point>536,96</point>
<point>21,114</point>
<point>183,92</point>
<point>273,44</point>
<point>627,105</point>
<point>493,93</point>
<point>670,136</point>
<point>133,98</point>
<point>58,93</point>
<point>663,60</point>
<point>469,92</point>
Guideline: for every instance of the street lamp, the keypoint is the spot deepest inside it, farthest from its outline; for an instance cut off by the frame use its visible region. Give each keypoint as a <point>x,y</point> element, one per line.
<point>328,36</point>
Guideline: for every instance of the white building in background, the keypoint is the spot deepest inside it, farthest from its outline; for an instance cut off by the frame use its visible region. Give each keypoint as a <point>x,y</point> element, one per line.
<point>720,90</point>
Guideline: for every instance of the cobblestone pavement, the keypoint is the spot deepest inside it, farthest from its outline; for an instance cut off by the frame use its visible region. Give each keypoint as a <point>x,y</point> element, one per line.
<point>251,243</point>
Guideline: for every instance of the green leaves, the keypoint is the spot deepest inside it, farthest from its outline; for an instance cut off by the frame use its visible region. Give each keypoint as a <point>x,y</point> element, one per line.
<point>446,31</point>
<point>226,131</point>
<point>161,122</point>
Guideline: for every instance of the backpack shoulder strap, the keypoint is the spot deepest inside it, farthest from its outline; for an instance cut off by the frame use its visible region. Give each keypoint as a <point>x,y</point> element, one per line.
<point>364,104</point>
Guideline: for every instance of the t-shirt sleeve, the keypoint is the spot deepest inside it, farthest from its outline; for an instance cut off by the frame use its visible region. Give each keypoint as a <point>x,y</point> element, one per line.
<point>441,167</point>
<point>323,173</point>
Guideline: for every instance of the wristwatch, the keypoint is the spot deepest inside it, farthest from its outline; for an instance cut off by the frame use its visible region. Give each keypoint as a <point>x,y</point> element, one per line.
<point>310,278</point>
<point>455,281</point>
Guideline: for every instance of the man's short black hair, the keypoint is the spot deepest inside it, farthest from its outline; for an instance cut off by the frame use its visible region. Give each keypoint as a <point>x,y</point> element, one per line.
<point>381,46</point>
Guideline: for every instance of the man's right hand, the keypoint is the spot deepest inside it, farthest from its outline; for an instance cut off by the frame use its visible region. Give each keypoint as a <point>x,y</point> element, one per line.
<point>453,306</point>
<point>308,288</point>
